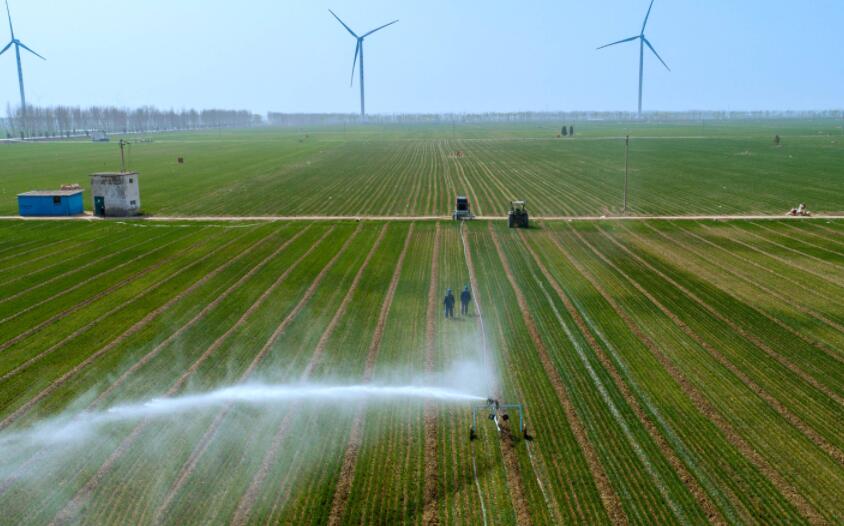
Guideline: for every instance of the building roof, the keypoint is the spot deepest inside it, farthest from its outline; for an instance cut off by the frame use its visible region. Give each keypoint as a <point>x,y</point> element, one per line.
<point>49,193</point>
<point>113,174</point>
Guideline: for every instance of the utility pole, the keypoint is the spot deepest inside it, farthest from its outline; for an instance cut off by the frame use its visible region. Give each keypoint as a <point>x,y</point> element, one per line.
<point>626,168</point>
<point>122,156</point>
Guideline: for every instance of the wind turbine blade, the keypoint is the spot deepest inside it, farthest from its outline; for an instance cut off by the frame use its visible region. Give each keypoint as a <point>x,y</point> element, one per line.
<point>7,47</point>
<point>647,16</point>
<point>354,63</point>
<point>338,19</point>
<point>21,44</point>
<point>9,14</point>
<point>379,28</point>
<point>657,54</point>
<point>621,41</point>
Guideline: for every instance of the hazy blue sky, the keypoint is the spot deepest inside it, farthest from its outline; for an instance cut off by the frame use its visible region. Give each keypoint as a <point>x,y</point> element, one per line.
<point>442,56</point>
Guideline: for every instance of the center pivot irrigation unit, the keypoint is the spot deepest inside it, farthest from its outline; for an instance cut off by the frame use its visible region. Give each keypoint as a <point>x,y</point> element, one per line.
<point>497,413</point>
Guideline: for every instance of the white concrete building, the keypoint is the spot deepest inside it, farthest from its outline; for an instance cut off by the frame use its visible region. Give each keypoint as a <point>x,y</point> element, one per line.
<point>116,194</point>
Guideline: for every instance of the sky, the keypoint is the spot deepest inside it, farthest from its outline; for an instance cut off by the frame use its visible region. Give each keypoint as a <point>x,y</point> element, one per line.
<point>442,56</point>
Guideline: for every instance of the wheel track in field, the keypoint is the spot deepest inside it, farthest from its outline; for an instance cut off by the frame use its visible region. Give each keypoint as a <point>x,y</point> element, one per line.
<point>690,482</point>
<point>823,347</point>
<point>814,233</point>
<point>74,269</point>
<point>73,507</point>
<point>40,247</point>
<point>700,401</point>
<point>87,301</point>
<point>430,490</point>
<point>609,497</point>
<point>507,444</point>
<point>343,487</point>
<point>247,501</point>
<point>136,327</point>
<point>771,400</point>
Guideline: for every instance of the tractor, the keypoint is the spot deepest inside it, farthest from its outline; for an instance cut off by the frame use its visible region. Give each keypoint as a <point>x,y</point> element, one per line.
<point>518,215</point>
<point>461,209</point>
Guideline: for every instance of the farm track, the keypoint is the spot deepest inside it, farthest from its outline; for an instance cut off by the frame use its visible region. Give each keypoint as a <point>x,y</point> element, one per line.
<point>430,516</point>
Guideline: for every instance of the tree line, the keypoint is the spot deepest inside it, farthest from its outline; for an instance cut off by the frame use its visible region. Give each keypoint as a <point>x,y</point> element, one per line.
<point>68,121</point>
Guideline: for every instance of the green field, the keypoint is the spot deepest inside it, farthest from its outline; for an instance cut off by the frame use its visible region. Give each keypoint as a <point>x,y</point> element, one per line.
<point>680,168</point>
<point>673,372</point>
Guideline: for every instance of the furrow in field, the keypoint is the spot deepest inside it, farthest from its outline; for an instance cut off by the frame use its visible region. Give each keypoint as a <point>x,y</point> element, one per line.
<point>774,402</point>
<point>190,465</point>
<point>810,229</point>
<point>247,502</point>
<point>71,240</point>
<point>431,501</point>
<point>347,471</point>
<point>609,497</point>
<point>201,314</point>
<point>87,301</point>
<point>791,263</point>
<point>800,240</point>
<point>56,384</point>
<point>786,489</point>
<point>700,402</point>
<point>40,355</point>
<point>691,483</point>
<point>74,268</point>
<point>507,445</point>
<point>754,283</point>
<point>73,508</point>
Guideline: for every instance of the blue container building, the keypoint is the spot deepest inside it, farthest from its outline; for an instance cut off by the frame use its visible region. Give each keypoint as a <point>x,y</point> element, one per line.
<point>50,203</point>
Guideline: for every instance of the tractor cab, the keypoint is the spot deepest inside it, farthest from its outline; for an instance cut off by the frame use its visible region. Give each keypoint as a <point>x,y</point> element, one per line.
<point>518,215</point>
<point>461,209</point>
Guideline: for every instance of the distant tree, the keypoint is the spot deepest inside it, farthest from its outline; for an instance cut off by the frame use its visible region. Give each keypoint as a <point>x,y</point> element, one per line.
<point>565,131</point>
<point>777,140</point>
<point>571,131</point>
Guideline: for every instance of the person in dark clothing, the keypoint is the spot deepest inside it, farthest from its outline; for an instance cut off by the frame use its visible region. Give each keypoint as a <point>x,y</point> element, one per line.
<point>465,298</point>
<point>449,304</point>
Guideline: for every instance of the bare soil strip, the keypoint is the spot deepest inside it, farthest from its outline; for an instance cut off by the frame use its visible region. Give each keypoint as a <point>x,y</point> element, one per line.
<point>776,404</point>
<point>120,339</point>
<point>691,483</point>
<point>431,497</point>
<point>610,499</point>
<point>247,502</point>
<point>699,400</point>
<point>73,507</point>
<point>347,472</point>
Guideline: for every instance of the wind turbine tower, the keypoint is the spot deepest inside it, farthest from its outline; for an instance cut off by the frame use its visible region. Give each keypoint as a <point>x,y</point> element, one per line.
<point>18,45</point>
<point>359,53</point>
<point>643,41</point>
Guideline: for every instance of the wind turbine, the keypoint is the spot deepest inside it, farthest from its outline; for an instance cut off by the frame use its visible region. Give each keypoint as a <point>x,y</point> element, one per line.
<point>643,41</point>
<point>359,53</point>
<point>18,45</point>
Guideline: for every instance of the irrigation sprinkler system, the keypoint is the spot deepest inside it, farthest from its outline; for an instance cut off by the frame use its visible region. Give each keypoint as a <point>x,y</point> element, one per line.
<point>497,413</point>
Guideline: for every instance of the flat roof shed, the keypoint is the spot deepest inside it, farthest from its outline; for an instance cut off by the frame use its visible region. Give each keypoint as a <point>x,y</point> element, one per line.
<point>50,203</point>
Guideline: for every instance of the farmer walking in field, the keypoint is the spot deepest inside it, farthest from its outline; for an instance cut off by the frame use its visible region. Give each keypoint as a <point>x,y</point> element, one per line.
<point>449,304</point>
<point>465,298</point>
